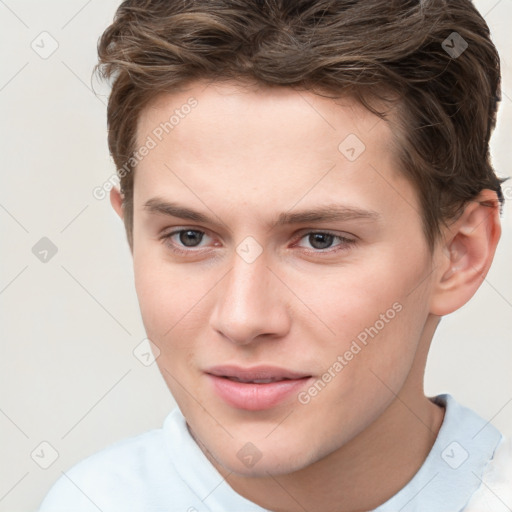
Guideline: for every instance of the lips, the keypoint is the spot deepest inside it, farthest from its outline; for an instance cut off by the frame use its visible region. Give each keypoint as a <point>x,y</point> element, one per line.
<point>256,388</point>
<point>256,374</point>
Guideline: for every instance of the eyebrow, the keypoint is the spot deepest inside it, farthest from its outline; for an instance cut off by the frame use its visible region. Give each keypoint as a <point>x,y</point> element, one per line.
<point>324,213</point>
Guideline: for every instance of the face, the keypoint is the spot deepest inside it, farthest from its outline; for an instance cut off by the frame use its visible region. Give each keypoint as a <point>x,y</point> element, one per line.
<point>273,229</point>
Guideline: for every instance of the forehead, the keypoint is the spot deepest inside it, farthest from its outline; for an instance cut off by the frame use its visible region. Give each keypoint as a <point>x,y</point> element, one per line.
<point>250,110</point>
<point>266,146</point>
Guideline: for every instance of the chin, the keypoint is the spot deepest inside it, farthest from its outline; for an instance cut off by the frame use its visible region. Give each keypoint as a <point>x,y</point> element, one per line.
<point>267,460</point>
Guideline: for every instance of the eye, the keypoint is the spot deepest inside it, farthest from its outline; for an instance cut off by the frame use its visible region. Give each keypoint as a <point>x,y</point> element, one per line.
<point>321,240</point>
<point>185,238</point>
<point>184,241</point>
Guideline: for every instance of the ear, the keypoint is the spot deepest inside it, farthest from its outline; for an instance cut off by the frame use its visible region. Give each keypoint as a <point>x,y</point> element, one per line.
<point>116,200</point>
<point>465,253</point>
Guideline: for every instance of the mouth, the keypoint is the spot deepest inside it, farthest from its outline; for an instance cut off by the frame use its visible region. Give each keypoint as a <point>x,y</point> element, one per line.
<point>257,374</point>
<point>255,388</point>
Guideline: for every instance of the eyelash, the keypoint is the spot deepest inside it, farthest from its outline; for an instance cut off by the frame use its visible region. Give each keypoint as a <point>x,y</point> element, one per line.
<point>345,242</point>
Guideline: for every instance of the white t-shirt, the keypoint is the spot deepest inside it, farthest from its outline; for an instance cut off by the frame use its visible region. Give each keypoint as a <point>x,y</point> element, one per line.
<point>468,469</point>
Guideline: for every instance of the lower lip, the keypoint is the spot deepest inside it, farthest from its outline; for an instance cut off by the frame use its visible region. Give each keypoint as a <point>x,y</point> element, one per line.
<point>255,397</point>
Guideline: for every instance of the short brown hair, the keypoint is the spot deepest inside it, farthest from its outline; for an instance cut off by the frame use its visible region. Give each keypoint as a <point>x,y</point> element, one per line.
<point>447,102</point>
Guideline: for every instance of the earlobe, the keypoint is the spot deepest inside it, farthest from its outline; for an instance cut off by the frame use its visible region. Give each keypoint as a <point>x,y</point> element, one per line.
<point>466,254</point>
<point>116,200</point>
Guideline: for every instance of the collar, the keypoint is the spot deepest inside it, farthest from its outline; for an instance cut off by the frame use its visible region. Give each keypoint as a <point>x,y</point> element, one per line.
<point>453,469</point>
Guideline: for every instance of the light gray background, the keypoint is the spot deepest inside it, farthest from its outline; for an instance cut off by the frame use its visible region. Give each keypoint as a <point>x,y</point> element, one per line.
<point>69,326</point>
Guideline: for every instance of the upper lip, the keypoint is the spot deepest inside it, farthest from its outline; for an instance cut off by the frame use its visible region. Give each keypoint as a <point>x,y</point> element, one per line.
<point>255,372</point>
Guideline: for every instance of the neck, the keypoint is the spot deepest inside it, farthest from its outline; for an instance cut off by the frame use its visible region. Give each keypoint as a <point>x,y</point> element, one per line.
<point>359,476</point>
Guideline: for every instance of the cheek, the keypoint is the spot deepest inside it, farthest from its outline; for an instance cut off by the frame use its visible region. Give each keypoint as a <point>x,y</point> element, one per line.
<point>156,299</point>
<point>171,301</point>
<point>355,298</point>
<point>167,311</point>
<point>160,293</point>
<point>375,317</point>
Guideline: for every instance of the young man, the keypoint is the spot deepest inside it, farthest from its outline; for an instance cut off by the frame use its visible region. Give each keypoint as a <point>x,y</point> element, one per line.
<point>306,190</point>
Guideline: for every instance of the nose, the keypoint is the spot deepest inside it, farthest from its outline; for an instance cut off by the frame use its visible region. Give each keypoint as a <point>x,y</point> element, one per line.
<point>251,302</point>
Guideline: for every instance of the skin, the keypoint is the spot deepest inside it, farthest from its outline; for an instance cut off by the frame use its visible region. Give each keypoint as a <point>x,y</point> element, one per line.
<point>243,156</point>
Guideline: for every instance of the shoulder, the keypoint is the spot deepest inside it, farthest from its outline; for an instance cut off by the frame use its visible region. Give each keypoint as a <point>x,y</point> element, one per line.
<point>495,492</point>
<point>119,475</point>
